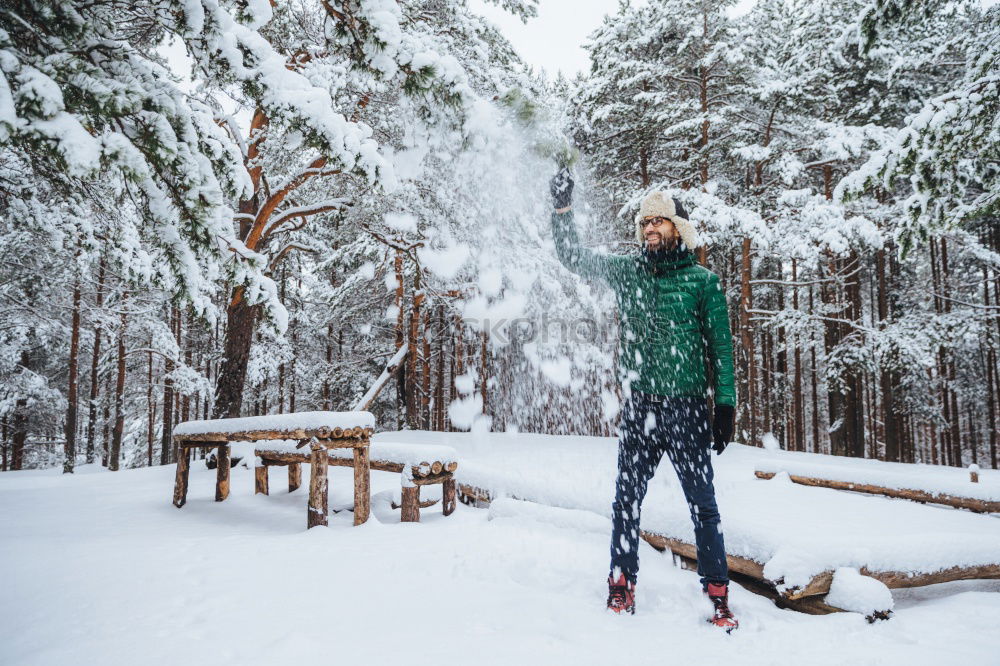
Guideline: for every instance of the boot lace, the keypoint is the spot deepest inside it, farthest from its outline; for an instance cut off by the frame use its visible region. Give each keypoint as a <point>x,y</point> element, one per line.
<point>617,596</point>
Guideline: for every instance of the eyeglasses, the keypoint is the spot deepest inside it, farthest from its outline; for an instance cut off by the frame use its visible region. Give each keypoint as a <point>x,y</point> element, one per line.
<point>655,221</point>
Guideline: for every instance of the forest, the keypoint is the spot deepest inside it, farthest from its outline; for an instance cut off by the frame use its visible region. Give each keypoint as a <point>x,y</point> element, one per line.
<point>216,209</point>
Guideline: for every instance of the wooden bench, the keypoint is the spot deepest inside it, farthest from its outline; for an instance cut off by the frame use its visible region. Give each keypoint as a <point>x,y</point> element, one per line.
<point>318,433</point>
<point>417,465</point>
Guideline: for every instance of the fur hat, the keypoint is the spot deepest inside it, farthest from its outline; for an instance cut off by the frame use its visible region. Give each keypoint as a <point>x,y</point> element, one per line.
<point>658,204</point>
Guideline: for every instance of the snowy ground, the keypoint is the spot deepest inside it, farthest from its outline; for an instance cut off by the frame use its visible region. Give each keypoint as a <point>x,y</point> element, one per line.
<point>100,568</point>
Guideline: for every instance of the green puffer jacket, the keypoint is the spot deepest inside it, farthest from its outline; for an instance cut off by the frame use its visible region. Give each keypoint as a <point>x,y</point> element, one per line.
<point>673,316</point>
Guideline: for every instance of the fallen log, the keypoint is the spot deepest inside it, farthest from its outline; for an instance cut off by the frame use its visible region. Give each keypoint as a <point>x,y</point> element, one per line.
<point>424,504</point>
<point>286,458</point>
<point>819,585</point>
<point>970,503</point>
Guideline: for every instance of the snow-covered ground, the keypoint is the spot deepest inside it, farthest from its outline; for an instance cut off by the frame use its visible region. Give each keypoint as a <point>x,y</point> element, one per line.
<point>100,568</point>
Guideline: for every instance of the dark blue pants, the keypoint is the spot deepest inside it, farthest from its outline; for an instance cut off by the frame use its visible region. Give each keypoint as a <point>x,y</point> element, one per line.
<point>680,428</point>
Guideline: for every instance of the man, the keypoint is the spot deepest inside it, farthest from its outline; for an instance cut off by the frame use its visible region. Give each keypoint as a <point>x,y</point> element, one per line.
<point>673,315</point>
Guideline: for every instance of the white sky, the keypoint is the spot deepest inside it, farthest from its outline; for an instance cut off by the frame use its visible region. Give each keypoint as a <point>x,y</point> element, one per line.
<point>554,39</point>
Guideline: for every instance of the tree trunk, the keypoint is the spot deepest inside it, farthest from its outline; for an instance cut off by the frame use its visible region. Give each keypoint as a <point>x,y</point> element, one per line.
<point>748,410</point>
<point>69,450</point>
<point>439,391</point>
<point>95,383</point>
<point>114,455</point>
<point>20,422</point>
<point>887,379</point>
<point>412,339</point>
<point>798,413</point>
<point>814,379</point>
<point>425,393</point>
<point>400,340</point>
<point>484,368</point>
<point>150,410</point>
<point>166,433</point>
<point>240,324</point>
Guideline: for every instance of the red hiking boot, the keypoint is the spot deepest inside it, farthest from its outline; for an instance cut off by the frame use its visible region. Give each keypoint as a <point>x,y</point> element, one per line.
<point>723,617</point>
<point>621,595</point>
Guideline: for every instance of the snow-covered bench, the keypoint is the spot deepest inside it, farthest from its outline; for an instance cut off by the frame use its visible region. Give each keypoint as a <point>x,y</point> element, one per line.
<point>417,464</point>
<point>790,541</point>
<point>315,434</point>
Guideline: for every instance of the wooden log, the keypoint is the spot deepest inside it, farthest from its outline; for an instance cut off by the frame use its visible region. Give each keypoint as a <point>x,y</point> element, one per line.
<point>900,579</point>
<point>809,605</point>
<point>222,473</point>
<point>436,467</point>
<point>432,479</point>
<point>318,488</point>
<point>451,467</point>
<point>362,485</point>
<point>448,496</point>
<point>972,504</point>
<point>255,435</point>
<point>741,564</point>
<point>294,476</point>
<point>181,480</point>
<point>260,480</point>
<point>820,583</point>
<point>411,505</point>
<point>424,504</point>
<point>474,496</point>
<point>286,458</point>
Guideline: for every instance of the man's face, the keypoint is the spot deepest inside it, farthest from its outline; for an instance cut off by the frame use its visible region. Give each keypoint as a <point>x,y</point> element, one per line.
<point>659,232</point>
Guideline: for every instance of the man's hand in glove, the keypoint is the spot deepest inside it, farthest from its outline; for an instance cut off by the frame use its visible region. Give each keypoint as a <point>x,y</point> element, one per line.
<point>722,428</point>
<point>561,187</point>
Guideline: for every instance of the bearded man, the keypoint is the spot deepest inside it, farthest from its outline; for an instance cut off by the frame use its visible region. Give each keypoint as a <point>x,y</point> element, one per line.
<point>674,323</point>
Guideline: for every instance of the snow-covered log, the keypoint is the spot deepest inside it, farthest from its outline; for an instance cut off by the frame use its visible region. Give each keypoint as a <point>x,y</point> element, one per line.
<point>970,503</point>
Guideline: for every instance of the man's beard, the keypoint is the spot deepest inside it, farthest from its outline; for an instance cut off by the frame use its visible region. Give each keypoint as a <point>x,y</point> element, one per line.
<point>661,243</point>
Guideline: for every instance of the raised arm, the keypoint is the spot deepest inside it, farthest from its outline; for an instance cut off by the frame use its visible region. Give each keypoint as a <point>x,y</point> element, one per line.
<point>579,259</point>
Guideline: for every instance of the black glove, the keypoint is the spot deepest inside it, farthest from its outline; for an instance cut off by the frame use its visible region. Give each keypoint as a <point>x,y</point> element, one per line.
<point>723,426</point>
<point>561,187</point>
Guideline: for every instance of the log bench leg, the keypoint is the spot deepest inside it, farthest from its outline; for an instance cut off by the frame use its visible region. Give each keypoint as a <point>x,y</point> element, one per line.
<point>448,497</point>
<point>181,481</point>
<point>222,473</point>
<point>318,488</point>
<point>411,505</point>
<point>362,485</point>
<point>294,476</point>
<point>260,479</point>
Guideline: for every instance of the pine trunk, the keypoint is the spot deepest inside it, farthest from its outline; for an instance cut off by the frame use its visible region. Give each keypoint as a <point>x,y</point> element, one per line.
<point>95,381</point>
<point>69,450</point>
<point>240,323</point>
<point>166,433</point>
<point>114,455</point>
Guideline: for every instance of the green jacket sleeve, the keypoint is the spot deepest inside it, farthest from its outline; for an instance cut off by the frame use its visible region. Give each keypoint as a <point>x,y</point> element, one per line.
<point>579,259</point>
<point>715,325</point>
